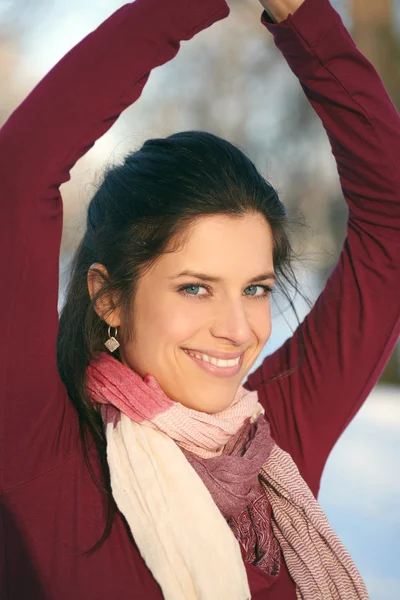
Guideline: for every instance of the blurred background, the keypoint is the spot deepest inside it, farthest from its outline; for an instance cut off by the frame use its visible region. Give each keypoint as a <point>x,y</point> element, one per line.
<point>232,81</point>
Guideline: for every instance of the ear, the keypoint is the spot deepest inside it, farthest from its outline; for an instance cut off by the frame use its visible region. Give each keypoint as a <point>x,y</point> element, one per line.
<point>105,305</point>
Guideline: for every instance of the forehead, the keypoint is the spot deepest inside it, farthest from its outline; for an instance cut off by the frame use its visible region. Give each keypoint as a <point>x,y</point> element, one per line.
<point>222,245</point>
<point>229,229</point>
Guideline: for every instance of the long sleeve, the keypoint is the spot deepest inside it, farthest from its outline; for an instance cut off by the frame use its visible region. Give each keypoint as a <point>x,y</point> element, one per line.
<point>73,106</point>
<point>355,323</point>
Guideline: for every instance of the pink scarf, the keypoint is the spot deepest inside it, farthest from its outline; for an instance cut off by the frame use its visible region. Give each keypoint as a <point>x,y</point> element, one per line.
<point>111,382</point>
<point>243,469</point>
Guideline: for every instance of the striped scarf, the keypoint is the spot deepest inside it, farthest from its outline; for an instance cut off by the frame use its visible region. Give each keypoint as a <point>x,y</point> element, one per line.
<point>178,475</point>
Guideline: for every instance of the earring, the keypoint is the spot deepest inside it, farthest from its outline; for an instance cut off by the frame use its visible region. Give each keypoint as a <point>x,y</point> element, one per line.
<point>112,343</point>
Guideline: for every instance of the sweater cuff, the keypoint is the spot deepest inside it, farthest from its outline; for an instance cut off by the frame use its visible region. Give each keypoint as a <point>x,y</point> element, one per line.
<point>311,21</point>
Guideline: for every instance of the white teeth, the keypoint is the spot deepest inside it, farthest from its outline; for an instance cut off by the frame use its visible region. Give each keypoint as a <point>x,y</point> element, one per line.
<point>216,361</point>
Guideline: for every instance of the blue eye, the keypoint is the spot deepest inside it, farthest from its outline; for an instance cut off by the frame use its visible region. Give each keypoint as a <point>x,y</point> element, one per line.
<point>192,290</point>
<point>266,290</point>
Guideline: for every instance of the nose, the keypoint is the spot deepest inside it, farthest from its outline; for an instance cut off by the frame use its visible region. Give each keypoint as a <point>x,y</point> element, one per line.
<point>231,323</point>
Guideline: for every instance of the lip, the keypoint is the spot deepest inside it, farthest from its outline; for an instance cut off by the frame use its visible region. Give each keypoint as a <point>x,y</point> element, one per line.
<point>213,369</point>
<point>215,354</point>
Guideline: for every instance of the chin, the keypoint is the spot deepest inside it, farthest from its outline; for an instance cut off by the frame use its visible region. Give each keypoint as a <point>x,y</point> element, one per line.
<point>208,406</point>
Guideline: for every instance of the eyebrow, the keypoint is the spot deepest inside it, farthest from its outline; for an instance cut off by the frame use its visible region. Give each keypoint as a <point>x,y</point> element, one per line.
<point>204,277</point>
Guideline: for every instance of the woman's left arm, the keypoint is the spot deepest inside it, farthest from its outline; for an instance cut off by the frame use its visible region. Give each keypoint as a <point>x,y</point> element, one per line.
<point>355,323</point>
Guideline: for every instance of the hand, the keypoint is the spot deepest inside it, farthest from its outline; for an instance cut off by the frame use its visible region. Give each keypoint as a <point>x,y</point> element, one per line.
<point>279,10</point>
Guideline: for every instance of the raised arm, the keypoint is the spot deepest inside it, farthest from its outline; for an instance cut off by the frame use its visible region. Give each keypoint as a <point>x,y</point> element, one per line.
<point>74,105</point>
<point>355,323</point>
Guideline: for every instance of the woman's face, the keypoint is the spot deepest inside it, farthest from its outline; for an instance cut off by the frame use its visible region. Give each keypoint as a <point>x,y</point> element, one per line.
<point>220,310</point>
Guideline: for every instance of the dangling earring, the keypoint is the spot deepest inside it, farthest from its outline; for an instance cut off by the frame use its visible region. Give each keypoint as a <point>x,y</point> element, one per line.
<point>112,343</point>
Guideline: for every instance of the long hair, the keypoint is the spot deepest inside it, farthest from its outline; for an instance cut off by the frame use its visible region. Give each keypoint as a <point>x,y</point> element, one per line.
<point>138,211</point>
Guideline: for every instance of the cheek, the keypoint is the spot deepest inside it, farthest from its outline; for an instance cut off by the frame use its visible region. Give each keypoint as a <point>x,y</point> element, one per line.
<point>181,324</point>
<point>262,324</point>
<point>169,320</point>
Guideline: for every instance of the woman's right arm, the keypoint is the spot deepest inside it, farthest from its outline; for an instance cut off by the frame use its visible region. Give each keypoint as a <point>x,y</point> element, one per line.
<point>74,105</point>
<point>355,323</point>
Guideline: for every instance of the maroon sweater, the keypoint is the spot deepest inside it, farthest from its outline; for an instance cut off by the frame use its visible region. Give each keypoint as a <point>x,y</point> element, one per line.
<point>51,511</point>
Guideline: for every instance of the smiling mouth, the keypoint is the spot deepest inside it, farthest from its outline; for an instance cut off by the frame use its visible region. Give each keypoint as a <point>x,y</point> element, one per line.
<point>216,366</point>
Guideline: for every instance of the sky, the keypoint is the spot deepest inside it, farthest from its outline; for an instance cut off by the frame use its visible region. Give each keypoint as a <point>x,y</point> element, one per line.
<point>62,24</point>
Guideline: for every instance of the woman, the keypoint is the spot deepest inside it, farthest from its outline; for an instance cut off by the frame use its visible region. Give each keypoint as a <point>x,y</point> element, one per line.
<point>142,469</point>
